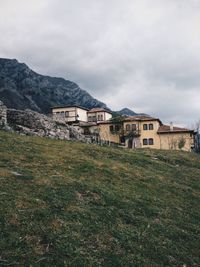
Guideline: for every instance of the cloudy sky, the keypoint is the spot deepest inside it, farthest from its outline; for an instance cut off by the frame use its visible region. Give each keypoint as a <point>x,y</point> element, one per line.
<point>140,54</point>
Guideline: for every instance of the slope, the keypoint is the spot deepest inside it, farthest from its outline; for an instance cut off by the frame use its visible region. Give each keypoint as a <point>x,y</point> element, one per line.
<point>73,204</point>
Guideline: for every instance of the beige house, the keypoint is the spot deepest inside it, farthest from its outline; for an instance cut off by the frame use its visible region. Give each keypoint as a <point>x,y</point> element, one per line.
<point>139,131</point>
<point>146,132</point>
<point>98,114</point>
<point>70,114</point>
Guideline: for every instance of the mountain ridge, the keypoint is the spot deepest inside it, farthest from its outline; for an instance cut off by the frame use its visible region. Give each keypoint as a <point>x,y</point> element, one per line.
<point>23,88</point>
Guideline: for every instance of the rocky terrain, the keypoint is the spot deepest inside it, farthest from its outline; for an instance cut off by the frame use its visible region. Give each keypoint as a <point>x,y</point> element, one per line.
<point>21,88</point>
<point>29,122</point>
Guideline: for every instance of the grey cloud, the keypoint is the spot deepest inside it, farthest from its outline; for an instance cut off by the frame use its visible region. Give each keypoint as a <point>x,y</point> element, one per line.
<point>126,53</point>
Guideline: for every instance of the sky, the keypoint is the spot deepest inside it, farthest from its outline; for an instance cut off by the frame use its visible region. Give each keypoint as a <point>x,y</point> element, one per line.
<point>140,54</point>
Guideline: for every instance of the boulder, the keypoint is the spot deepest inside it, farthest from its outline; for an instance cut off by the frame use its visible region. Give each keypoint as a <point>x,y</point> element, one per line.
<point>3,114</point>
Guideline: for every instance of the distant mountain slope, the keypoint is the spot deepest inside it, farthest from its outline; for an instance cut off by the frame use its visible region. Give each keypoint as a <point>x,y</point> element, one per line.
<point>127,112</point>
<point>22,88</point>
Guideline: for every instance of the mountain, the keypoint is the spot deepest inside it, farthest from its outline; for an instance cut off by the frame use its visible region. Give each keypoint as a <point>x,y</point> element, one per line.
<point>22,88</point>
<point>127,112</point>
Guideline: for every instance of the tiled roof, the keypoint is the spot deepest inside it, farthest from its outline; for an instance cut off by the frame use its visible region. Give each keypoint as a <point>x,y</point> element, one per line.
<point>166,129</point>
<point>85,124</point>
<point>140,118</point>
<point>93,110</point>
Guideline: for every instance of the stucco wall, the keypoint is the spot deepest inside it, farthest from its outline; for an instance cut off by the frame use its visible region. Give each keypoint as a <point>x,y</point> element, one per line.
<point>106,135</point>
<point>171,141</point>
<point>106,116</point>
<point>147,134</point>
<point>73,112</point>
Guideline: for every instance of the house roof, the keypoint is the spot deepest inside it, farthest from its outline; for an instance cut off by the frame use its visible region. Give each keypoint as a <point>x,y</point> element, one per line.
<point>93,110</point>
<point>141,118</point>
<point>70,106</point>
<point>87,124</point>
<point>166,129</point>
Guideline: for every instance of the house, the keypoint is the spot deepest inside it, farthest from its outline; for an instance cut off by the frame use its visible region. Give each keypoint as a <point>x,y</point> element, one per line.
<point>171,137</point>
<point>70,114</point>
<point>139,131</point>
<point>98,114</point>
<point>145,132</point>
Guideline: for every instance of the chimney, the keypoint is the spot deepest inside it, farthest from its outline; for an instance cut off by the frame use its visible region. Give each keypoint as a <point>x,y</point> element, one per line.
<point>171,126</point>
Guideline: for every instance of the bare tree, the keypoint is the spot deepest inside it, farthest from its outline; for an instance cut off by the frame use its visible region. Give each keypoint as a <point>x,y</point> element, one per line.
<point>197,136</point>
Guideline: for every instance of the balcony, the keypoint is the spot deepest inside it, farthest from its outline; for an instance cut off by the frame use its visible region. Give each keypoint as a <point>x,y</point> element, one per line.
<point>131,133</point>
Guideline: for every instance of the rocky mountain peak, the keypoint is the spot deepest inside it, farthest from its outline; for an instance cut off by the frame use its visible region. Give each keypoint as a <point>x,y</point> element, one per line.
<point>22,88</point>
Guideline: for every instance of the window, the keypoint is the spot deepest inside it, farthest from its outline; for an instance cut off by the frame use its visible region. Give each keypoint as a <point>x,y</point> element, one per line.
<point>145,142</point>
<point>151,126</point>
<point>62,114</point>
<point>151,141</point>
<point>128,127</point>
<point>111,128</point>
<point>94,118</point>
<point>89,118</point>
<point>101,117</point>
<point>134,127</point>
<point>66,113</point>
<point>117,128</point>
<point>145,127</point>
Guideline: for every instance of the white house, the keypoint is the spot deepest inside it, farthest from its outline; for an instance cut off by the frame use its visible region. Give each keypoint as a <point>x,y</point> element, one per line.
<point>98,114</point>
<point>70,114</point>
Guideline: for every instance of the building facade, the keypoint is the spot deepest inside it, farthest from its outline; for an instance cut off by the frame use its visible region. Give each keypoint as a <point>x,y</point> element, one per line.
<point>70,114</point>
<point>140,131</point>
<point>146,132</point>
<point>98,115</point>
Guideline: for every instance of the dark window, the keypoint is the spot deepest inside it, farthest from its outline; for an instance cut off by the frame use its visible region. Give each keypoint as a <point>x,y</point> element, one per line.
<point>145,127</point>
<point>134,127</point>
<point>145,142</point>
<point>94,118</point>
<point>117,128</point>
<point>111,128</point>
<point>150,141</point>
<point>101,117</point>
<point>66,113</point>
<point>122,139</point>
<point>150,126</point>
<point>62,114</point>
<point>128,127</point>
<point>89,118</point>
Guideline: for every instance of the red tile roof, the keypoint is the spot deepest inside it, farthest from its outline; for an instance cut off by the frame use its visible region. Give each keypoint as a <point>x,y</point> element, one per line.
<point>166,129</point>
<point>93,110</point>
<point>141,118</point>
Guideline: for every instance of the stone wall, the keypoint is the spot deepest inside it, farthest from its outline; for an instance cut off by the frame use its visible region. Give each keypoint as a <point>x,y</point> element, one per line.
<point>29,122</point>
<point>3,114</point>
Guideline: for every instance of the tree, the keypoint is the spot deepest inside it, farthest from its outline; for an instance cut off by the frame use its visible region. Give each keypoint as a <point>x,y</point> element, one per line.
<point>181,143</point>
<point>197,137</point>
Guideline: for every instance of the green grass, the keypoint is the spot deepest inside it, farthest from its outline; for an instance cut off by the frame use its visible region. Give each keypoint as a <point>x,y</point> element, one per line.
<point>72,204</point>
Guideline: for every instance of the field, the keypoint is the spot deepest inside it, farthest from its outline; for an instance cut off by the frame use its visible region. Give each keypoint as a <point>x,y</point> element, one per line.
<point>73,204</point>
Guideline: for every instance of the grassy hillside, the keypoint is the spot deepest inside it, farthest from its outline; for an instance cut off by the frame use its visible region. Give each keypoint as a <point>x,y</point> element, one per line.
<point>72,204</point>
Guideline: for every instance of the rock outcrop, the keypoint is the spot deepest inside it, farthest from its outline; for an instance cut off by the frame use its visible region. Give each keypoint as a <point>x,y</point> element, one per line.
<point>3,114</point>
<point>29,122</point>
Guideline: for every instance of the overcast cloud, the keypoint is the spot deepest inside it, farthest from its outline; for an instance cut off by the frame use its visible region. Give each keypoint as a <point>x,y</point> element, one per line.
<point>140,54</point>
